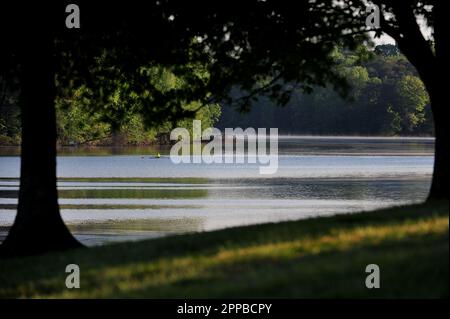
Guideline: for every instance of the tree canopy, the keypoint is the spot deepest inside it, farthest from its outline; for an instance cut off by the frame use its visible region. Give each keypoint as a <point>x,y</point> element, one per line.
<point>266,48</point>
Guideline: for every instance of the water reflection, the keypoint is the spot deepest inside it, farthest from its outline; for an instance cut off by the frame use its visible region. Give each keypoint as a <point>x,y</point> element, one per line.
<point>132,196</point>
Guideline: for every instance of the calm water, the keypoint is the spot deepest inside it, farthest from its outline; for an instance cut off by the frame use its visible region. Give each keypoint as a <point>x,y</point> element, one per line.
<point>121,194</point>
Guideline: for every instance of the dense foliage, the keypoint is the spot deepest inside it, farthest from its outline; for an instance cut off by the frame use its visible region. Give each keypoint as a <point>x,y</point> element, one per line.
<point>82,120</point>
<point>387,98</point>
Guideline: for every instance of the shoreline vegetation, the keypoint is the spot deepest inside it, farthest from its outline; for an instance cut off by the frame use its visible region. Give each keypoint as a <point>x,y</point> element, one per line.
<point>325,257</point>
<point>387,98</point>
<point>164,140</point>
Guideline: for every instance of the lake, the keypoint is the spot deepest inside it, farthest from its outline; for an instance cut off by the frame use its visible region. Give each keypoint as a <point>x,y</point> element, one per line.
<point>119,194</point>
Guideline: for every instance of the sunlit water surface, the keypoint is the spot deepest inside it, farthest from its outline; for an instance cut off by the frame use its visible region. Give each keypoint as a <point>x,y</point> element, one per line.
<point>109,194</point>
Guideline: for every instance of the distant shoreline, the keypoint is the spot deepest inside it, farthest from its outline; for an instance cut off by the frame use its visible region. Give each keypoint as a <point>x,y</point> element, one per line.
<point>281,136</point>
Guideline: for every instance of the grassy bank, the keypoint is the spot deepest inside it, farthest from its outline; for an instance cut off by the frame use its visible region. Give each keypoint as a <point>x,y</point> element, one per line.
<point>315,258</point>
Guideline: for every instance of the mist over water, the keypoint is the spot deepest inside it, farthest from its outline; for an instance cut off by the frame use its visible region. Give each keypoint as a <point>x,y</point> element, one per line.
<point>121,194</point>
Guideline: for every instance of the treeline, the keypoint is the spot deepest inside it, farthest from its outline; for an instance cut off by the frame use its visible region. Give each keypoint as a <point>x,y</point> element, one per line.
<point>387,98</point>
<point>82,121</point>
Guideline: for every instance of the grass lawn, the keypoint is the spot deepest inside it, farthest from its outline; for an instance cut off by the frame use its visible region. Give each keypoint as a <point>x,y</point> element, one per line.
<point>315,258</point>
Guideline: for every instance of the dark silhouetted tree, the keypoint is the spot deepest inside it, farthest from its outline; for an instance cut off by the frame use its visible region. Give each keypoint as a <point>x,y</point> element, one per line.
<point>260,47</point>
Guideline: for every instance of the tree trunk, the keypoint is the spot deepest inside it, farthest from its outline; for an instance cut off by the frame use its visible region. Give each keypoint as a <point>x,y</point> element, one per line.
<point>435,87</point>
<point>429,65</point>
<point>439,186</point>
<point>38,227</point>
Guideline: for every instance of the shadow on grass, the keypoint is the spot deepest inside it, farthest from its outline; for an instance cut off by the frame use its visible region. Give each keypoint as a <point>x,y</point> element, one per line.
<point>320,257</point>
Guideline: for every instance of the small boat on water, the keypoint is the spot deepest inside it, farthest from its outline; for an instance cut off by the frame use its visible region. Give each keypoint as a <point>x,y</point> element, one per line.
<point>157,155</point>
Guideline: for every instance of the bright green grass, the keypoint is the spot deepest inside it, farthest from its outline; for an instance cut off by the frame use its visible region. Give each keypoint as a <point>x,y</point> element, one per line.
<point>315,258</point>
<point>130,226</point>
